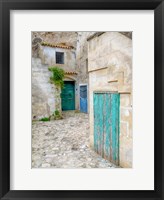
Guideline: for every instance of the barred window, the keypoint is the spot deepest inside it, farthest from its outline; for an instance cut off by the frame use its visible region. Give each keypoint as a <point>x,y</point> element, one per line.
<point>60,57</point>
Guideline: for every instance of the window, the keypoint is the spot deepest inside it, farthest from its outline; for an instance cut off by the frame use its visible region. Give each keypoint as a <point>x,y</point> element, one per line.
<point>60,57</point>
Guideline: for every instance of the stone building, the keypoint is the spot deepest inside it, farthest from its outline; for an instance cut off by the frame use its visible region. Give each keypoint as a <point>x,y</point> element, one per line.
<point>110,92</point>
<point>58,49</point>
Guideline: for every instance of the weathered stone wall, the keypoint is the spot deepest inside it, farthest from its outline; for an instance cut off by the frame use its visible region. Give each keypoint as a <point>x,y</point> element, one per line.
<point>70,38</point>
<point>82,56</point>
<point>82,61</point>
<point>48,57</point>
<point>43,101</point>
<point>110,69</point>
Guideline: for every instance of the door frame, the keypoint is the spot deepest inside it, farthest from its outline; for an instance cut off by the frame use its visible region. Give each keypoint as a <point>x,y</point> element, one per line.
<point>84,84</point>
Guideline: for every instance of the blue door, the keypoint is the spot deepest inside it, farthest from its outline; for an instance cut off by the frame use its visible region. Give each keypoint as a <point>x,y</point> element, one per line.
<point>83,99</point>
<point>106,125</point>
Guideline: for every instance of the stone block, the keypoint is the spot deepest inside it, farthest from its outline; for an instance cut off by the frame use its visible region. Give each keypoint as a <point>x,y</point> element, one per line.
<point>120,77</point>
<point>105,49</point>
<point>125,100</point>
<point>123,128</point>
<point>120,42</point>
<point>126,155</point>
<point>126,88</point>
<point>126,114</point>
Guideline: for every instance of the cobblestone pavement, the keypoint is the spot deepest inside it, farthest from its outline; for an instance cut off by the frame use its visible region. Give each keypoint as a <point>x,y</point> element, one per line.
<point>64,144</point>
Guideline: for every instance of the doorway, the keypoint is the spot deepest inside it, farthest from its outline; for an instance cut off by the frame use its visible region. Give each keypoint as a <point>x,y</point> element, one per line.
<point>68,96</point>
<point>83,99</point>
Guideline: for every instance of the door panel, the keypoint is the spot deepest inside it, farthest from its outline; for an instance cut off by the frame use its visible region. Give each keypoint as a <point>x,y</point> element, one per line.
<point>106,125</point>
<point>68,96</point>
<point>83,99</point>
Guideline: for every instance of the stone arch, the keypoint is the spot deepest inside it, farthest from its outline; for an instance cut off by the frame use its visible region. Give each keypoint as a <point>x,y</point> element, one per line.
<point>69,78</point>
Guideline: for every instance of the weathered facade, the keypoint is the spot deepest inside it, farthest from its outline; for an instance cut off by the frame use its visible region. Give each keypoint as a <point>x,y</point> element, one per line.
<point>57,49</point>
<point>110,71</point>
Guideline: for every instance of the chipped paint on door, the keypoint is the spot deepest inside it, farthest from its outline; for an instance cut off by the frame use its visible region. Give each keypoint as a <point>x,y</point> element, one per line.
<point>106,125</point>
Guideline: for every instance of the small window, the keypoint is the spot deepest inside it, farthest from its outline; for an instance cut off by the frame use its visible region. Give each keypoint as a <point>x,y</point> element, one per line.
<point>60,57</point>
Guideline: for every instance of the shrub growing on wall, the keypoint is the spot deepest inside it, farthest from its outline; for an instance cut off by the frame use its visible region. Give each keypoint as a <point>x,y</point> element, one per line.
<point>57,76</point>
<point>57,79</point>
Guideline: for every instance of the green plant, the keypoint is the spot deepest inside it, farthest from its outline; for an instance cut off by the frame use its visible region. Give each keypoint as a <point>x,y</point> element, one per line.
<point>57,113</point>
<point>57,76</point>
<point>45,119</point>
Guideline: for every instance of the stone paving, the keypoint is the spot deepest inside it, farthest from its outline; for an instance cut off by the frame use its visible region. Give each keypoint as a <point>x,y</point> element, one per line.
<point>64,144</point>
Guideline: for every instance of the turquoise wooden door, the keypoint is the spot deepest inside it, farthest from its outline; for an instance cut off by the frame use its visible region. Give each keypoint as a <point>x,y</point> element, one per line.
<point>68,96</point>
<point>106,125</point>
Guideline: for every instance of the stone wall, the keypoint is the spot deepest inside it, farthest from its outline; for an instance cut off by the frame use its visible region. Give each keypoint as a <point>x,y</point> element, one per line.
<point>82,61</point>
<point>43,101</point>
<point>110,69</point>
<point>48,57</point>
<point>70,38</point>
<point>82,56</point>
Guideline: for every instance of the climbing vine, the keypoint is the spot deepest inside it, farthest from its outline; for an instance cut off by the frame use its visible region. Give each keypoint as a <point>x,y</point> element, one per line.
<point>57,76</point>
